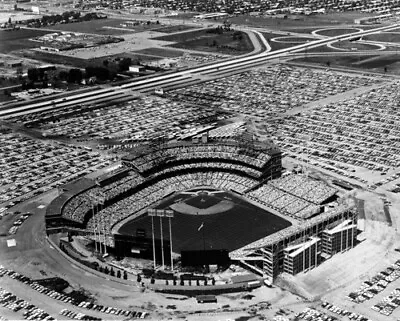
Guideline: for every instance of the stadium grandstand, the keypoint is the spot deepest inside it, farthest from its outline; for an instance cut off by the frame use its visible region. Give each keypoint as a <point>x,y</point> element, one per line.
<point>99,207</point>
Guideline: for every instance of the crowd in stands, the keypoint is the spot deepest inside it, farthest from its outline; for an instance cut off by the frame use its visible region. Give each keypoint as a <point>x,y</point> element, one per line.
<point>76,208</point>
<point>296,195</point>
<point>131,206</point>
<point>211,165</point>
<point>304,187</point>
<point>208,151</point>
<point>114,189</point>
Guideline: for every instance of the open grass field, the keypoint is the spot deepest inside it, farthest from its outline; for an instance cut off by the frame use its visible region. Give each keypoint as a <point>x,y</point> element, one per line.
<point>301,21</point>
<point>76,62</point>
<point>294,39</point>
<point>19,39</point>
<point>241,224</point>
<point>202,40</point>
<point>367,62</point>
<point>353,45</point>
<point>393,37</point>
<point>283,41</point>
<point>95,26</point>
<point>336,31</point>
<point>173,29</point>
<point>161,52</point>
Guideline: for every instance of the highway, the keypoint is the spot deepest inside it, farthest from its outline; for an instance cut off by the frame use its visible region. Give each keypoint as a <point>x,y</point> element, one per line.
<point>184,76</point>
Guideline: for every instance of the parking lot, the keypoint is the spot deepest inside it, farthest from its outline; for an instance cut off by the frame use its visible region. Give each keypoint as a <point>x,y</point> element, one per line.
<point>139,120</point>
<point>29,311</point>
<point>30,167</point>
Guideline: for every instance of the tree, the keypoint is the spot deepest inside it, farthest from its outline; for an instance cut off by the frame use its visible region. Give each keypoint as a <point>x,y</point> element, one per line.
<point>63,75</point>
<point>33,74</point>
<point>124,64</point>
<point>75,75</point>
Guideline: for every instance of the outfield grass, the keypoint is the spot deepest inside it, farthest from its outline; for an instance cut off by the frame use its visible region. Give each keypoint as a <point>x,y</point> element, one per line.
<point>201,40</point>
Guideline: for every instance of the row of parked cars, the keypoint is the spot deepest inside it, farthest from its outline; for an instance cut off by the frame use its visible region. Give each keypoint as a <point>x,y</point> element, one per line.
<point>388,303</point>
<point>67,299</point>
<point>310,314</point>
<point>115,311</point>
<point>376,284</point>
<point>13,303</point>
<point>13,229</point>
<point>78,316</point>
<point>351,315</point>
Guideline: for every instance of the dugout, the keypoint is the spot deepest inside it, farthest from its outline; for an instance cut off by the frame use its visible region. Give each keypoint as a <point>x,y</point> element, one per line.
<point>209,257</point>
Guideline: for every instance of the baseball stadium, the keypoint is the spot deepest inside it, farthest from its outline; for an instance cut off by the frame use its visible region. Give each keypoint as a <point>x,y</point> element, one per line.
<point>208,203</point>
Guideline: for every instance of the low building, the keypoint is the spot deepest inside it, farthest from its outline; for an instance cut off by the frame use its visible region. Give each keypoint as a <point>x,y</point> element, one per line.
<point>136,68</point>
<point>13,63</point>
<point>206,299</point>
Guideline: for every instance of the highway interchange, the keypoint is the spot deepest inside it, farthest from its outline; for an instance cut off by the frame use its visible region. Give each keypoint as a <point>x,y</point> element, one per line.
<point>186,76</point>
